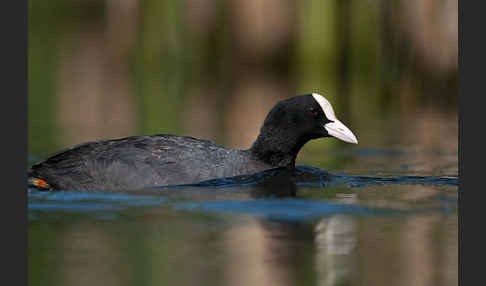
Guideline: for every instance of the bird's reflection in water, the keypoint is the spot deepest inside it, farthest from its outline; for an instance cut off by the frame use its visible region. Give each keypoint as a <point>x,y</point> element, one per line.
<point>294,253</point>
<point>271,252</point>
<point>276,183</point>
<point>327,246</point>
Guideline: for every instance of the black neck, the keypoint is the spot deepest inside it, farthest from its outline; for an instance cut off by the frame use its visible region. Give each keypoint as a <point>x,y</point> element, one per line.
<point>278,150</point>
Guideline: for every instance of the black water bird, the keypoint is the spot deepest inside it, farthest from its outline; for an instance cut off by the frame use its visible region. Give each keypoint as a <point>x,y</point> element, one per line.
<point>159,160</point>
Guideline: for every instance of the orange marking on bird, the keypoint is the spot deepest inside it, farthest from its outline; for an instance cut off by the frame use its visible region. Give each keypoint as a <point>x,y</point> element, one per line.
<point>40,183</point>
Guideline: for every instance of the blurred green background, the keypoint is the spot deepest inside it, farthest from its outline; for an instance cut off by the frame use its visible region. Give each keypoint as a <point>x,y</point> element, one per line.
<point>213,69</point>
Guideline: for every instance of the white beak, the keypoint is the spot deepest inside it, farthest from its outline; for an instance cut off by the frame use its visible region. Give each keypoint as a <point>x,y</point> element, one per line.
<point>340,131</point>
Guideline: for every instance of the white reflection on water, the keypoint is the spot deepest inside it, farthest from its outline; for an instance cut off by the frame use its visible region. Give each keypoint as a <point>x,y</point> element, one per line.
<point>335,241</point>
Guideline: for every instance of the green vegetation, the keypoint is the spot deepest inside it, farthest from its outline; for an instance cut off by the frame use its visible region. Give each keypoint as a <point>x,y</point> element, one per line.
<point>363,57</point>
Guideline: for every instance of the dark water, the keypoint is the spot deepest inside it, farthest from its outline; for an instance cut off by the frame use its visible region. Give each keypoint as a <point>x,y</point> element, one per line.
<point>365,215</point>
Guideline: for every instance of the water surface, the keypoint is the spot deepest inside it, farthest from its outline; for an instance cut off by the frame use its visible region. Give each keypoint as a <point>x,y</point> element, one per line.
<point>379,213</point>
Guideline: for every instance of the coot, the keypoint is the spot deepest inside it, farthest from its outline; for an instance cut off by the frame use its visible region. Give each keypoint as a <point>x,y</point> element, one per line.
<point>146,161</point>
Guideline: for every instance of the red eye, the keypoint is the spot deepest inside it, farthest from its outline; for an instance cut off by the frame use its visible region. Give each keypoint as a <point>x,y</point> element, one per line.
<point>313,112</point>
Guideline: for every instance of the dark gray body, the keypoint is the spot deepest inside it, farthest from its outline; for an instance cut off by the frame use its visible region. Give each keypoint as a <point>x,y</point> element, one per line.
<point>143,161</point>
